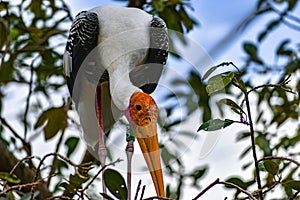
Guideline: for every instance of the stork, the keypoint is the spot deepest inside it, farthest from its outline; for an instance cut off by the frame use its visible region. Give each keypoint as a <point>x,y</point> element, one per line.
<point>113,60</point>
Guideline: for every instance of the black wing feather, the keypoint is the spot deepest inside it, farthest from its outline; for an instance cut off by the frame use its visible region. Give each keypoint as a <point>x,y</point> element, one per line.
<point>82,40</point>
<point>147,76</point>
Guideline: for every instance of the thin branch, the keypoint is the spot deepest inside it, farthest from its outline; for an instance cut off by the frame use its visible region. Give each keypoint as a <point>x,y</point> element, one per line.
<point>280,85</point>
<point>59,197</point>
<point>216,182</point>
<point>271,187</point>
<point>284,16</point>
<point>26,145</point>
<point>40,165</point>
<point>159,198</point>
<point>253,146</point>
<point>294,196</point>
<point>28,98</point>
<point>20,186</point>
<point>16,166</point>
<point>67,106</point>
<point>138,190</point>
<point>206,189</point>
<point>102,168</point>
<point>53,166</point>
<point>143,192</point>
<point>239,188</point>
<point>279,158</point>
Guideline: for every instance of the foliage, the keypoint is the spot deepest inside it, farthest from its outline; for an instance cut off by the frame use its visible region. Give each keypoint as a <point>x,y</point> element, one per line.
<point>267,132</point>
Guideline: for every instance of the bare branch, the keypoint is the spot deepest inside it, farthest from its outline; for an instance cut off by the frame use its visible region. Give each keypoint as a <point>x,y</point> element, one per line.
<point>216,182</point>
<point>280,158</point>
<point>239,188</point>
<point>159,198</point>
<point>53,166</point>
<point>28,98</point>
<point>206,189</point>
<point>9,163</point>
<point>26,145</point>
<point>138,190</point>
<point>253,147</point>
<point>20,186</point>
<point>102,168</point>
<point>17,165</point>
<point>279,85</point>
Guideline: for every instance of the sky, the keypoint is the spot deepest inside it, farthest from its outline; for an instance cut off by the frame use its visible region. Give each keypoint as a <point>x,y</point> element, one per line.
<point>215,40</point>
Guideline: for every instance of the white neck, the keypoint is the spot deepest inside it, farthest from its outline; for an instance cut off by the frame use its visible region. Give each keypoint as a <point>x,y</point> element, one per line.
<point>121,87</point>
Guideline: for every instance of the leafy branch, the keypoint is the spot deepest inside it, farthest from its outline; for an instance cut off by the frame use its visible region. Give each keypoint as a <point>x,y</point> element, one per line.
<point>219,82</point>
<point>216,182</point>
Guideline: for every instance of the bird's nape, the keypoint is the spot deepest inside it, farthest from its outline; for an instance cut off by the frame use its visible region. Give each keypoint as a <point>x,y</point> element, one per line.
<point>142,114</point>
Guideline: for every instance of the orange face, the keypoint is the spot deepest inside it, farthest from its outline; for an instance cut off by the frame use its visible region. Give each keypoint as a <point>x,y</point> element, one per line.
<point>143,109</point>
<point>142,114</point>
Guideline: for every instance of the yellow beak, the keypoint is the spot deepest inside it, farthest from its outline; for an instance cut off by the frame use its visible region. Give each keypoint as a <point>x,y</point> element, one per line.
<point>142,114</point>
<point>148,141</point>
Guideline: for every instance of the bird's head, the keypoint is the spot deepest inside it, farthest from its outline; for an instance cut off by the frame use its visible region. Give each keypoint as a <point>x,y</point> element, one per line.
<point>142,115</point>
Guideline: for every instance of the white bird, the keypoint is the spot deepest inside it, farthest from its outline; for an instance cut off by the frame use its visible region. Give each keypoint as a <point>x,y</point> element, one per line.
<point>113,60</point>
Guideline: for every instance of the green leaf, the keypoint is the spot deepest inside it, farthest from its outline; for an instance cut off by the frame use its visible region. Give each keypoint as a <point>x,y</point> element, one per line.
<point>264,144</point>
<point>53,120</point>
<point>4,5</point>
<point>9,178</point>
<point>261,167</point>
<point>187,21</point>
<point>292,4</point>
<point>71,144</point>
<point>245,152</point>
<point>242,85</point>
<point>166,155</point>
<point>219,82</point>
<point>70,188</point>
<point>242,136</point>
<point>3,33</point>
<point>158,6</point>
<point>115,183</point>
<point>282,50</point>
<point>215,124</point>
<point>77,180</point>
<point>293,184</point>
<point>230,103</point>
<point>209,72</point>
<point>197,174</point>
<point>271,166</point>
<point>237,181</point>
<point>172,18</point>
<point>271,26</point>
<point>251,50</point>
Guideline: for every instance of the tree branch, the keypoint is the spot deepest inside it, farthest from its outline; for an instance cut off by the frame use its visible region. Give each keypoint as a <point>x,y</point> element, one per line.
<point>26,174</point>
<point>26,145</point>
<point>253,146</point>
<point>279,158</point>
<point>216,182</point>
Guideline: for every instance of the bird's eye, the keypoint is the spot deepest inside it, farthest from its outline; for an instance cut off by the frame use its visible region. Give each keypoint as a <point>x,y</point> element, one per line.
<point>138,107</point>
